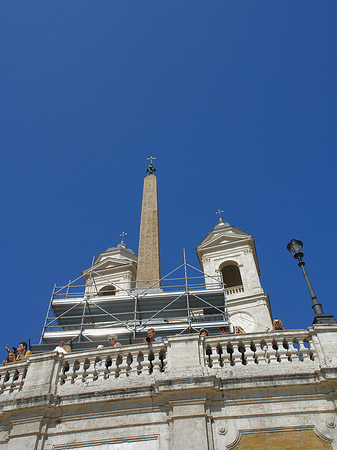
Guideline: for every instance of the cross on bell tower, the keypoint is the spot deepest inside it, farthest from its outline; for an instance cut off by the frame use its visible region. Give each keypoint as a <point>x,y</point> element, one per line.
<point>123,233</point>
<point>219,211</point>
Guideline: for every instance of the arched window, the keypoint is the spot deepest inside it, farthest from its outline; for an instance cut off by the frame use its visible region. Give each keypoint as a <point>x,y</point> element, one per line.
<point>107,290</point>
<point>231,274</point>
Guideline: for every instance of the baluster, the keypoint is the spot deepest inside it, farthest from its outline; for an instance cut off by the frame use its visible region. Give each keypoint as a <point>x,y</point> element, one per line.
<point>150,358</point>
<point>2,382</point>
<point>224,357</point>
<point>140,361</point>
<point>7,386</point>
<point>276,348</point>
<point>260,355</point>
<point>217,352</point>
<point>156,362</point>
<point>62,378</point>
<point>22,378</point>
<point>123,365</point>
<point>228,351</point>
<point>303,352</point>
<point>227,354</point>
<point>162,357</point>
<point>310,349</point>
<point>113,368</point>
<point>250,353</point>
<point>242,349</point>
<point>90,370</point>
<point>105,374</point>
<point>131,369</point>
<point>120,367</point>
<point>293,351</point>
<point>212,357</point>
<point>271,351</point>
<point>267,353</point>
<point>81,372</point>
<point>100,369</point>
<point>18,383</point>
<point>63,374</point>
<point>75,372</point>
<point>15,381</point>
<point>208,356</point>
<point>283,351</point>
<point>69,372</point>
<point>236,355</point>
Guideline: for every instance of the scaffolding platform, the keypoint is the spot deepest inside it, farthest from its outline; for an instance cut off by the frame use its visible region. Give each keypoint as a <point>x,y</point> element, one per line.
<point>183,304</point>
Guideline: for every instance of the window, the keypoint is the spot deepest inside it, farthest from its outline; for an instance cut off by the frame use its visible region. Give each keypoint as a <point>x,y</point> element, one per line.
<point>107,290</point>
<point>231,274</point>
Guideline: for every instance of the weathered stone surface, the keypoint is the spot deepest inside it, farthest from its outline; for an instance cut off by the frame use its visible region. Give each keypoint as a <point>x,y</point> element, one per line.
<point>148,269</point>
<point>183,394</point>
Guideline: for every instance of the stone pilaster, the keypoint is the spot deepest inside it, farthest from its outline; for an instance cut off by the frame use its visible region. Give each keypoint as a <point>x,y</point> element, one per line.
<point>149,252</point>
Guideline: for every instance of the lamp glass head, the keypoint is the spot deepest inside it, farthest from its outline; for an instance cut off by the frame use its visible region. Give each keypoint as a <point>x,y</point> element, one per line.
<point>295,248</point>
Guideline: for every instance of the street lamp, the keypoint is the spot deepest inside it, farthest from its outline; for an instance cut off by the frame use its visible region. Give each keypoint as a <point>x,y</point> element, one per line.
<point>295,248</point>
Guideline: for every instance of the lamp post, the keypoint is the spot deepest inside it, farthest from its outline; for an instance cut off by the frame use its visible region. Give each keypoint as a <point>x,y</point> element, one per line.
<point>295,248</point>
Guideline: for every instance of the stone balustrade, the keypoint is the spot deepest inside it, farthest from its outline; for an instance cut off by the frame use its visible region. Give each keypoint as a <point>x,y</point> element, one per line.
<point>112,363</point>
<point>12,377</point>
<point>262,348</point>
<point>234,290</point>
<point>181,355</point>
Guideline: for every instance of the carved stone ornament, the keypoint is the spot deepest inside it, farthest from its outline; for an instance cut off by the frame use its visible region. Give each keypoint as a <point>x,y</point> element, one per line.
<point>222,430</point>
<point>330,423</point>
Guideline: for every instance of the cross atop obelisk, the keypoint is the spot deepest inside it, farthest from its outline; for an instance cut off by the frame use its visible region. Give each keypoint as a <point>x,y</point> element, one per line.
<point>148,268</point>
<point>151,168</point>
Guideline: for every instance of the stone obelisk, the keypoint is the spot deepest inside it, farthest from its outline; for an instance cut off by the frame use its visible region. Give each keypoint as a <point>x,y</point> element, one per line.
<point>148,267</point>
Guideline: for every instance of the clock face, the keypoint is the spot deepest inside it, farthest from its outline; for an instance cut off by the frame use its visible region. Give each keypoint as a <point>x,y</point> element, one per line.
<point>244,320</point>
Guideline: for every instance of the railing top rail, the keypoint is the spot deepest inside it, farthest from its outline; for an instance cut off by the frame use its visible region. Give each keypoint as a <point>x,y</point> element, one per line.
<point>13,366</point>
<point>113,350</point>
<point>289,334</point>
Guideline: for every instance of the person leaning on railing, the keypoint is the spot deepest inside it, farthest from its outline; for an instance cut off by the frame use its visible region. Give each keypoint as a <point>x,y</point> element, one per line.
<point>278,325</point>
<point>23,353</point>
<point>203,332</point>
<point>239,330</point>
<point>151,337</point>
<point>113,341</point>
<point>10,358</point>
<point>224,331</point>
<point>61,348</point>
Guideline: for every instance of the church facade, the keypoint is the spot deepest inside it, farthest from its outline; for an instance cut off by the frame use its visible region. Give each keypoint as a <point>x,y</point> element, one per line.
<point>258,389</point>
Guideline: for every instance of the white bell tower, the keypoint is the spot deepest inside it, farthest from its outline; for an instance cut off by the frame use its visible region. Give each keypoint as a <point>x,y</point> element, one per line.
<point>228,254</point>
<point>113,273</point>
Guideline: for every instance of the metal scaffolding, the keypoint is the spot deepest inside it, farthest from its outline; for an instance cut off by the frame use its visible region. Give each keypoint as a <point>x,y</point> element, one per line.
<point>183,304</point>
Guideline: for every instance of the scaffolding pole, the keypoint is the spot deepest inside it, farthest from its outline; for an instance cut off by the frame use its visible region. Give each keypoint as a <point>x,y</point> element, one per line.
<point>187,294</point>
<point>45,321</point>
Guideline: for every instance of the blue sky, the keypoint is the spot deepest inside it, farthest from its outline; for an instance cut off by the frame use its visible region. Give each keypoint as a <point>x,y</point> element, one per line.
<point>237,100</point>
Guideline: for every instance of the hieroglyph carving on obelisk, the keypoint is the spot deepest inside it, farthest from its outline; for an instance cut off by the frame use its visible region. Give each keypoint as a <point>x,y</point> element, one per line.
<point>148,270</point>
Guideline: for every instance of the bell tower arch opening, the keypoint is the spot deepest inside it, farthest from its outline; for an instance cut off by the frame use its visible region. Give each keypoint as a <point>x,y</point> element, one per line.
<point>231,275</point>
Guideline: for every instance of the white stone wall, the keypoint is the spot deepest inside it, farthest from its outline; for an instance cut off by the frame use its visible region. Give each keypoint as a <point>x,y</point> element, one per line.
<point>122,280</point>
<point>248,306</point>
<point>250,312</point>
<point>186,393</point>
<point>243,257</point>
